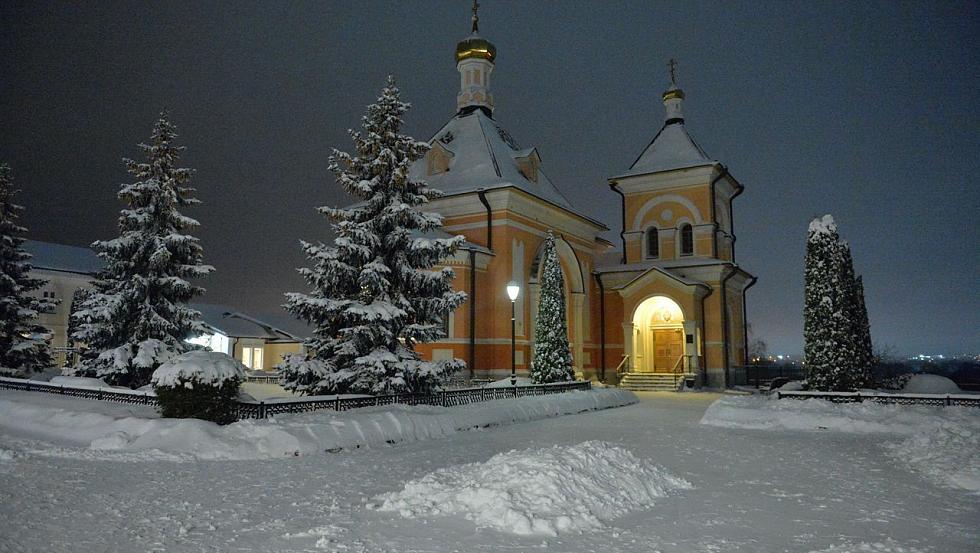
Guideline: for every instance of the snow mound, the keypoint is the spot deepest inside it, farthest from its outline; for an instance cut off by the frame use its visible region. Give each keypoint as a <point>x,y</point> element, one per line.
<point>930,384</point>
<point>115,430</point>
<point>539,491</point>
<point>942,443</point>
<point>205,367</point>
<point>79,382</point>
<point>792,386</point>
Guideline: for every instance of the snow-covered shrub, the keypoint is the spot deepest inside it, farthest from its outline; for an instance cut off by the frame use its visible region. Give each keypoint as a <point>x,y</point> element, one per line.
<point>200,385</point>
<point>895,383</point>
<point>552,360</point>
<point>930,384</point>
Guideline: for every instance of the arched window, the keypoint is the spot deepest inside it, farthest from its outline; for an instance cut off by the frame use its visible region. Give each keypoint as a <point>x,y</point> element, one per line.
<point>687,240</point>
<point>653,243</point>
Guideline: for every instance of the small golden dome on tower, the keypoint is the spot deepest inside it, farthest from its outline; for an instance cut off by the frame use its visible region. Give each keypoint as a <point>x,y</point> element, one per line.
<point>475,47</point>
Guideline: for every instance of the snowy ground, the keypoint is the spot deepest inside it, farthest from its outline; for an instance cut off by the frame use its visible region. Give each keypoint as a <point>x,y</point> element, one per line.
<point>716,489</point>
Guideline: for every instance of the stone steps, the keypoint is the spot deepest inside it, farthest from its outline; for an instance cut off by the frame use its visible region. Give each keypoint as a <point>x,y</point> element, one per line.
<point>652,382</point>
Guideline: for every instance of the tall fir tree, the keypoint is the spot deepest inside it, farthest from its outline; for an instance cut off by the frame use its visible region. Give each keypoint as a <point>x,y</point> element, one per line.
<point>866,348</point>
<point>137,317</point>
<point>833,355</point>
<point>552,360</point>
<point>374,292</point>
<point>23,350</point>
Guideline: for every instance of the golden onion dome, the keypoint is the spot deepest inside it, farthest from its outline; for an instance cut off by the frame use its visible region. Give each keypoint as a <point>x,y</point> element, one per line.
<point>673,92</point>
<point>475,46</point>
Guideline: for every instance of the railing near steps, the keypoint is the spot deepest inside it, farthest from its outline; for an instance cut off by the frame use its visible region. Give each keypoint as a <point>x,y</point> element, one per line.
<point>965,400</point>
<point>264,409</point>
<point>623,367</point>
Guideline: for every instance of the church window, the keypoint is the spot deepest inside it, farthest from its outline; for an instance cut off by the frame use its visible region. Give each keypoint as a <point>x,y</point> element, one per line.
<point>653,243</point>
<point>687,240</point>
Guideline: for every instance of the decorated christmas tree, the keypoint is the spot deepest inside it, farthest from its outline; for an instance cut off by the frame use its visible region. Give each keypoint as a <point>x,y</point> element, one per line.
<point>552,360</point>
<point>374,292</point>
<point>23,349</point>
<point>137,317</point>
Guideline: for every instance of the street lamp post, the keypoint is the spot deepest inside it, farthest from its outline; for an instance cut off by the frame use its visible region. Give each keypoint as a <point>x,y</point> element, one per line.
<point>513,290</point>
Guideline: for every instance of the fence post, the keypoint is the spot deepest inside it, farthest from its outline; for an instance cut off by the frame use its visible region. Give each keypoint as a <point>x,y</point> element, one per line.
<point>779,395</point>
<point>336,403</point>
<point>442,398</point>
<point>948,401</point>
<point>261,409</point>
<point>515,390</point>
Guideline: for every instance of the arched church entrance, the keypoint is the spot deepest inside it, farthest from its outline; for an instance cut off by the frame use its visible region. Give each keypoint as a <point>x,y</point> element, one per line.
<point>658,340</point>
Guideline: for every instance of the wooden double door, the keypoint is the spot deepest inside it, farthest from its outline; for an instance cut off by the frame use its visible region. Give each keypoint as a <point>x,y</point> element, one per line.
<point>667,347</point>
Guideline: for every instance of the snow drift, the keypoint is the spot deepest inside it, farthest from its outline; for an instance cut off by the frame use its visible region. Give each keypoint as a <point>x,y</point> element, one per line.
<point>539,491</point>
<point>942,443</point>
<point>286,435</point>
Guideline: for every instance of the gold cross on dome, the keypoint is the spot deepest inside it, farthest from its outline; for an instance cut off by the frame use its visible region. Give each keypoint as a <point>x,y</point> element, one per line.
<point>672,66</point>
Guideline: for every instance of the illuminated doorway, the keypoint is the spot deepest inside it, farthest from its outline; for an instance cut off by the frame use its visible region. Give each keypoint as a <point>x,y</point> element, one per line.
<point>658,340</point>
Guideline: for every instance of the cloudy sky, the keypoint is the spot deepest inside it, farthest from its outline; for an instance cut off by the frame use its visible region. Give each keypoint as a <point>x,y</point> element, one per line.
<point>865,110</point>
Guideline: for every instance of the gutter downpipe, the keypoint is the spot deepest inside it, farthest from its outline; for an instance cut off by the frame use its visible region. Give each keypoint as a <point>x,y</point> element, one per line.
<point>745,321</point>
<point>725,321</point>
<point>472,351</point>
<point>622,228</point>
<point>602,327</point>
<point>482,193</point>
<point>731,220</point>
<point>714,219</point>
<point>704,345</point>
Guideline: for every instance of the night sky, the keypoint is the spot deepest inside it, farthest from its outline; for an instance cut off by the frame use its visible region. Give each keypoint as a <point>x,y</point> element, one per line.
<point>867,111</point>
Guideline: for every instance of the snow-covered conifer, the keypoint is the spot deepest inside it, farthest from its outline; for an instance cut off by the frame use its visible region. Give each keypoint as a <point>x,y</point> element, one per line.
<point>552,360</point>
<point>374,291</point>
<point>832,356</point>
<point>137,318</point>
<point>23,350</point>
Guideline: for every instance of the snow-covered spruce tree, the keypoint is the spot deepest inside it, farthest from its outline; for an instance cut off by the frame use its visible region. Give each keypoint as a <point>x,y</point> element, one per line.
<point>137,318</point>
<point>374,292</point>
<point>830,351</point>
<point>22,349</point>
<point>552,360</point>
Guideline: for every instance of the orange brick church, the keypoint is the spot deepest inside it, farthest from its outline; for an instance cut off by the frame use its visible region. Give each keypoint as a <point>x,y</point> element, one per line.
<point>664,302</point>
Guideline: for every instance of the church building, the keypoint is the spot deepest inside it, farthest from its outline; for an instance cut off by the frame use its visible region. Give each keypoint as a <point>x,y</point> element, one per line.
<point>665,303</point>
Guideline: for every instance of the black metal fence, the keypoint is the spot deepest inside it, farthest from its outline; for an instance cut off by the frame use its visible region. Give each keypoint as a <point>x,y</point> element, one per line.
<point>131,397</point>
<point>761,376</point>
<point>896,399</point>
<point>264,409</point>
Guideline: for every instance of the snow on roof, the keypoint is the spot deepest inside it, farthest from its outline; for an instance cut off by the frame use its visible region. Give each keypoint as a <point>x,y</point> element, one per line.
<point>233,323</point>
<point>483,155</point>
<point>441,234</point>
<point>60,257</point>
<point>672,148</point>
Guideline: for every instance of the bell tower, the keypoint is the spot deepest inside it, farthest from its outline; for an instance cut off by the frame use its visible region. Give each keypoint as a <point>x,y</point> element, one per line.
<point>475,56</point>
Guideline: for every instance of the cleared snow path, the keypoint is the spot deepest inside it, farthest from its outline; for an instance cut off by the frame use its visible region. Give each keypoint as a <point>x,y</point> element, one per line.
<point>753,491</point>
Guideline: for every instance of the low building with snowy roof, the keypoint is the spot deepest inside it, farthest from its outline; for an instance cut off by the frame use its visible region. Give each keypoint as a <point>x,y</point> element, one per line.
<point>669,305</point>
<point>67,269</point>
<point>258,344</point>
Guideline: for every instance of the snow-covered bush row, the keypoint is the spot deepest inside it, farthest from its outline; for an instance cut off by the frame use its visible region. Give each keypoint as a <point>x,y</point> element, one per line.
<point>200,385</point>
<point>943,443</point>
<point>539,491</point>
<point>285,435</point>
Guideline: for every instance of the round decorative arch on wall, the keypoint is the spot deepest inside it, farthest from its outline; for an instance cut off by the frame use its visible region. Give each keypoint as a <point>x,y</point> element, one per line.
<point>568,258</point>
<point>669,198</point>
